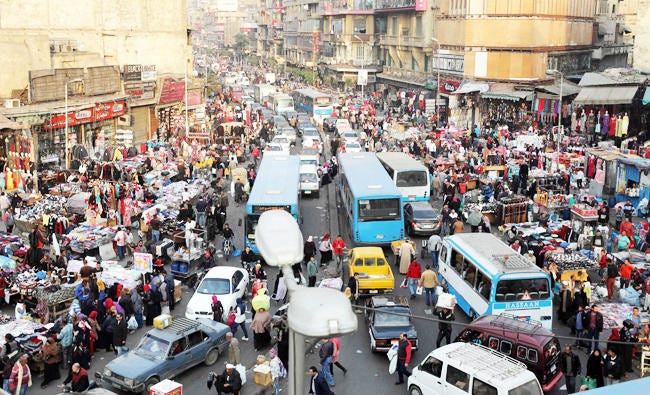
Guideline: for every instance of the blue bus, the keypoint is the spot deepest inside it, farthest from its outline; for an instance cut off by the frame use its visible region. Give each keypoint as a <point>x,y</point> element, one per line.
<point>489,277</point>
<point>317,104</point>
<point>277,187</point>
<point>409,175</point>
<point>372,202</point>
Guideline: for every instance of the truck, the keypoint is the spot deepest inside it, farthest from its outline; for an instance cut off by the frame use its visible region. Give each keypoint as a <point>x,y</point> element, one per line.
<point>261,92</point>
<point>375,274</point>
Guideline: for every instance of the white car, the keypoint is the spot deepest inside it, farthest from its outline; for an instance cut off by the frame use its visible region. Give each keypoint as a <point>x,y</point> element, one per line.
<point>227,283</point>
<point>309,180</point>
<point>353,146</point>
<point>289,133</point>
<point>350,135</point>
<point>274,149</point>
<point>283,142</point>
<point>342,125</point>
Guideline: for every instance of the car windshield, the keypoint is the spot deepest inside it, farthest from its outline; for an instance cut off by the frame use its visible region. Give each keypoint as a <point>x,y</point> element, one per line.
<point>153,346</point>
<point>352,145</point>
<point>308,177</point>
<point>530,388</point>
<point>386,319</point>
<point>214,286</point>
<point>424,214</point>
<point>275,148</point>
<point>280,140</point>
<point>309,151</point>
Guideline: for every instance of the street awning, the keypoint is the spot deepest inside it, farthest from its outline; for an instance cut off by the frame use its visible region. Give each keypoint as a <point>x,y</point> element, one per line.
<point>471,86</point>
<point>511,95</point>
<point>606,95</point>
<point>646,96</point>
<point>568,89</point>
<point>6,123</point>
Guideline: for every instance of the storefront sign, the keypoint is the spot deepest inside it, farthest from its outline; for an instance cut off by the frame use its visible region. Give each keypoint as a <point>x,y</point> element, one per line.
<point>171,91</point>
<point>193,98</point>
<point>149,72</point>
<point>448,86</point>
<point>132,72</point>
<point>140,90</point>
<point>449,63</point>
<point>101,112</point>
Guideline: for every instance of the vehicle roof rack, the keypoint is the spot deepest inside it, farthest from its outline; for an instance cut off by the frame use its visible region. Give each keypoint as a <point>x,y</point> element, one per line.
<point>512,261</point>
<point>511,322</point>
<point>474,355</point>
<point>181,324</point>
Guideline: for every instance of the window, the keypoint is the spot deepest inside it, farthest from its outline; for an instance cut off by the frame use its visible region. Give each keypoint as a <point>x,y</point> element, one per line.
<point>360,25</point>
<point>368,261</point>
<point>393,30</point>
<point>443,254</point>
<point>418,26</point>
<point>456,261</point>
<point>432,366</point>
<point>381,262</point>
<point>214,286</point>
<point>197,338</point>
<point>530,388</point>
<point>521,352</point>
<point>520,287</point>
<point>457,378</point>
<point>358,262</point>
<point>506,347</point>
<point>493,343</point>
<point>482,388</point>
<point>379,210</point>
<point>413,63</point>
<point>426,63</point>
<point>178,346</point>
<point>236,279</point>
<point>532,355</point>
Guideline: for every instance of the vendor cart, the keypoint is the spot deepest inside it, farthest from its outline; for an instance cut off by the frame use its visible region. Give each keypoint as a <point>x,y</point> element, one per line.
<point>584,219</point>
<point>188,259</point>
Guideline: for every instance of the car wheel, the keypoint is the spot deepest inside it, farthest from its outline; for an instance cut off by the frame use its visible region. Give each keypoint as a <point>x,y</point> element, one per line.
<point>211,357</point>
<point>150,383</point>
<point>415,390</point>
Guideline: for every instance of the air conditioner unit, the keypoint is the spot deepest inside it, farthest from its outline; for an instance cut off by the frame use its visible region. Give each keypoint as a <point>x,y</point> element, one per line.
<point>125,120</point>
<point>12,103</point>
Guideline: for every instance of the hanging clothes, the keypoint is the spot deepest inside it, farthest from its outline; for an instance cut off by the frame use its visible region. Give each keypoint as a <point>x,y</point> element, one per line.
<point>625,123</point>
<point>591,166</point>
<point>612,126</point>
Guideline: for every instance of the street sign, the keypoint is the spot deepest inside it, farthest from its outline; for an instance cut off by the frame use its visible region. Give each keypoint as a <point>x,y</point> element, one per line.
<point>362,77</point>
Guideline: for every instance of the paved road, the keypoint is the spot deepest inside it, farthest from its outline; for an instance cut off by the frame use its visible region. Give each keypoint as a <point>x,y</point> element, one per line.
<point>367,372</point>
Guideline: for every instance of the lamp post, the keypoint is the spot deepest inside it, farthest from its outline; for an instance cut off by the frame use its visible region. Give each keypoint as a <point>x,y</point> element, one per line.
<point>67,140</point>
<point>435,40</point>
<point>187,120</point>
<point>313,312</point>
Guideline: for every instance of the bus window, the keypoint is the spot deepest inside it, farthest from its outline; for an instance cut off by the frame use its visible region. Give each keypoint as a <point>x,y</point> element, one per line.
<point>443,254</point>
<point>521,286</point>
<point>521,352</point>
<point>493,343</point>
<point>413,178</point>
<point>379,209</point>
<point>456,261</point>
<point>506,347</point>
<point>532,355</point>
<point>469,272</point>
<point>358,262</point>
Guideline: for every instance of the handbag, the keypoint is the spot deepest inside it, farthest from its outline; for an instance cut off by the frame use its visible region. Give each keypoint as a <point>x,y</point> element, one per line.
<point>419,290</point>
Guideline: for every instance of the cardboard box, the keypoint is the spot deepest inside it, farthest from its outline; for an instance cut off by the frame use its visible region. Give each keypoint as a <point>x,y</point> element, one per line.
<point>447,301</point>
<point>167,387</point>
<point>263,379</point>
<point>162,321</point>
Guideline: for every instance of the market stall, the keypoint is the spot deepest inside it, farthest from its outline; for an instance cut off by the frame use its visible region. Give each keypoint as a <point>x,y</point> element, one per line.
<point>191,255</point>
<point>85,238</point>
<point>512,210</point>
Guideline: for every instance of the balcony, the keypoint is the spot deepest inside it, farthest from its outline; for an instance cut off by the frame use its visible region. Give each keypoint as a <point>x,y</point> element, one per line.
<point>403,41</point>
<point>400,5</point>
<point>339,7</point>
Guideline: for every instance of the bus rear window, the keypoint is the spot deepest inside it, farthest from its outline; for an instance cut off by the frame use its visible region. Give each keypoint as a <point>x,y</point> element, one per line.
<point>523,289</point>
<point>411,178</point>
<point>379,210</point>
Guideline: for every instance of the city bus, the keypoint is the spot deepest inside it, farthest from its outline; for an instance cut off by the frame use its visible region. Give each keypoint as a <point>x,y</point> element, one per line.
<point>409,175</point>
<point>280,103</point>
<point>371,202</point>
<point>276,188</point>
<point>317,104</point>
<point>489,277</point>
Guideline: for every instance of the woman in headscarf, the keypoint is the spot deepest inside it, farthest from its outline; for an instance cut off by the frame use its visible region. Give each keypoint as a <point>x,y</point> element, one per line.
<point>325,249</point>
<point>217,309</point>
<point>595,367</point>
<point>95,329</point>
<point>149,305</point>
<point>614,337</point>
<point>309,249</point>
<point>261,335</point>
<point>51,358</point>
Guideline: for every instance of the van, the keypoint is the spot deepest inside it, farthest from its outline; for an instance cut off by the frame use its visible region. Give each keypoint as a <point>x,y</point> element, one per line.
<point>525,341</point>
<point>309,180</point>
<point>467,368</point>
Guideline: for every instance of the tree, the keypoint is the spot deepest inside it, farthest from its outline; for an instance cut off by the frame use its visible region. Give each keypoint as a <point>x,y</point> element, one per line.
<point>241,42</point>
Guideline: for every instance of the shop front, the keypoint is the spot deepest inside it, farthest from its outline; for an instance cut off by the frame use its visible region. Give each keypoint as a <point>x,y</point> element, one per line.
<point>506,108</point>
<point>633,180</point>
<point>464,106</point>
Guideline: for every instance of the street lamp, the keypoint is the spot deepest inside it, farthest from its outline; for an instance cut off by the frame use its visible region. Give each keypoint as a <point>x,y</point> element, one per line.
<point>557,73</point>
<point>313,312</point>
<point>363,67</point>
<point>435,40</point>
<point>67,140</point>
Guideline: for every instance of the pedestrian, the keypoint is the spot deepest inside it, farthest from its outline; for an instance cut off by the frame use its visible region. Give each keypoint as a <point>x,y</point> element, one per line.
<point>120,334</point>
<point>77,381</point>
<point>429,281</point>
<point>445,220</point>
<point>579,326</point>
<point>613,368</point>
<point>569,365</point>
<point>353,286</point>
<point>325,354</point>
<point>413,275</point>
<point>594,327</point>
<point>612,273</point>
<point>261,336</point>
<point>233,349</point>
<point>404,349</point>
<point>217,309</point>
<point>278,371</point>
<point>626,273</point>
<point>240,319</point>
<point>318,384</point>
<point>445,316</point>
<point>338,247</point>
<point>51,357</point>
<point>433,245</point>
<point>336,355</point>
<point>228,382</point>
<point>65,339</point>
<point>309,249</point>
<point>9,220</point>
<point>312,270</point>
<point>405,255</point>
<point>21,376</point>
<point>138,307</point>
<point>596,368</point>
<point>325,249</point>
<point>120,240</point>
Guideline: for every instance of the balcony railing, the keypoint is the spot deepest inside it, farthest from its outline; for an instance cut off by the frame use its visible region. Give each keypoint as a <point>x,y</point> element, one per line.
<point>334,7</point>
<point>406,41</point>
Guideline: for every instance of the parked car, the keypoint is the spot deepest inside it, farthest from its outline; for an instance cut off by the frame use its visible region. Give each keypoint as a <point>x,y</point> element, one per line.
<point>384,327</point>
<point>421,219</point>
<point>352,146</point>
<point>226,282</point>
<point>165,353</point>
<point>283,142</point>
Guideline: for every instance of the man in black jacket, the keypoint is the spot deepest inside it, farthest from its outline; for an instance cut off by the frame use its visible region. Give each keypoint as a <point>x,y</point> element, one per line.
<point>353,284</point>
<point>228,382</point>
<point>325,354</point>
<point>318,385</point>
<point>120,333</point>
<point>444,328</point>
<point>594,326</point>
<point>569,364</point>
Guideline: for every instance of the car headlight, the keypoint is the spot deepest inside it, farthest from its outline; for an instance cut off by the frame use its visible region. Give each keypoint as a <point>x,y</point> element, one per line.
<point>129,382</point>
<point>107,372</point>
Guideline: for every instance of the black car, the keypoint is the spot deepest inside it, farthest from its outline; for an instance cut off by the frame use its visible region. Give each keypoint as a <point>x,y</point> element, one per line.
<point>421,219</point>
<point>385,328</point>
<point>329,125</point>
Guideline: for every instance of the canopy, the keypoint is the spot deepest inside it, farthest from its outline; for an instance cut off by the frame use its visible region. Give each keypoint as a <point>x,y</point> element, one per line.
<point>6,123</point>
<point>511,95</point>
<point>471,86</point>
<point>606,95</point>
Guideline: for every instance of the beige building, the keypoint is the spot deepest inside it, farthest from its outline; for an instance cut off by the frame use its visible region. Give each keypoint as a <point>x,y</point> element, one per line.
<point>641,33</point>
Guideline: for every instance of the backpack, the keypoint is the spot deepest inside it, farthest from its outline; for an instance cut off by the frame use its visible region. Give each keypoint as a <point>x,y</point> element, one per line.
<point>231,318</point>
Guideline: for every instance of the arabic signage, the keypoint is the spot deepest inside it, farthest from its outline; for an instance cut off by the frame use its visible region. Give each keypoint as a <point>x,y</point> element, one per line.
<point>193,98</point>
<point>100,112</point>
<point>171,91</point>
<point>140,90</point>
<point>138,72</point>
<point>448,86</point>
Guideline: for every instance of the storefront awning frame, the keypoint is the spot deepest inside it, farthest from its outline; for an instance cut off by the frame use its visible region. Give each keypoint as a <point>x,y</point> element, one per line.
<point>604,95</point>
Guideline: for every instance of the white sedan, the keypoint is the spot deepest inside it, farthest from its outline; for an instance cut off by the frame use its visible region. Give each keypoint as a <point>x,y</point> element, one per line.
<point>227,283</point>
<point>283,142</point>
<point>352,146</point>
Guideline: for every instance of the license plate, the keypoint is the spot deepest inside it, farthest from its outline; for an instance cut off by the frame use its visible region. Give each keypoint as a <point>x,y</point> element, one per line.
<point>380,236</point>
<point>373,291</point>
<point>307,192</point>
<point>394,341</point>
<point>427,226</point>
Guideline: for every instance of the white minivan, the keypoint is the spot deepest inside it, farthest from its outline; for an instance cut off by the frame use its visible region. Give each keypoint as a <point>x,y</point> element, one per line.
<point>309,180</point>
<point>468,368</point>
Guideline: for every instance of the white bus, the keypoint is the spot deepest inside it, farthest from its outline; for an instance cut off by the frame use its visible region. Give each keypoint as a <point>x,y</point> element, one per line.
<point>409,175</point>
<point>281,103</point>
<point>489,277</point>
<point>317,104</point>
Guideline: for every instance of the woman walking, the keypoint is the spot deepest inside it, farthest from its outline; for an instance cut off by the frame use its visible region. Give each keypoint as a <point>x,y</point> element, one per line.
<point>259,326</point>
<point>51,358</point>
<point>596,367</point>
<point>325,249</point>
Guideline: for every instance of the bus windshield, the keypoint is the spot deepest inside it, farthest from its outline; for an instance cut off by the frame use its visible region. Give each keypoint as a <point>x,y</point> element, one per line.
<point>536,288</point>
<point>379,209</point>
<point>285,102</point>
<point>411,178</point>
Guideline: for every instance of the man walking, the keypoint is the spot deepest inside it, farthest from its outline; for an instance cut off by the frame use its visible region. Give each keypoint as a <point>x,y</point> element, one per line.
<point>404,349</point>
<point>312,269</point>
<point>445,316</point>
<point>429,281</point>
<point>569,364</point>
<point>353,285</point>
<point>318,385</point>
<point>433,245</point>
<point>338,245</point>
<point>594,327</point>
<point>325,354</point>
